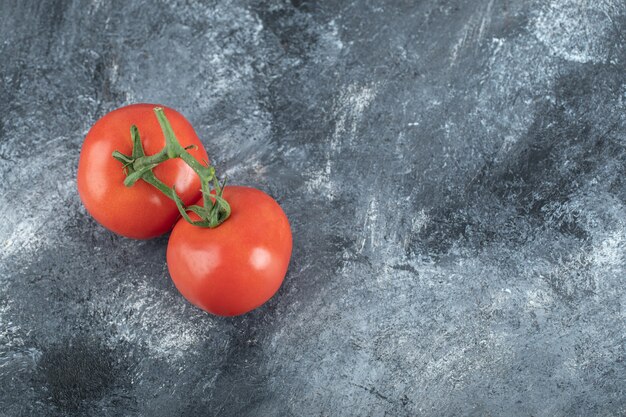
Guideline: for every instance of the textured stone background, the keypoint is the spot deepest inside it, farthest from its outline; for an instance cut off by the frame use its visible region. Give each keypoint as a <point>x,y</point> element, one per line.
<point>455,176</point>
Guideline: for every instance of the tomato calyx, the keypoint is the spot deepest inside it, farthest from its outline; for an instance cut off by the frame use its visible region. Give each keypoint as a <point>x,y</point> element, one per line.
<point>139,166</point>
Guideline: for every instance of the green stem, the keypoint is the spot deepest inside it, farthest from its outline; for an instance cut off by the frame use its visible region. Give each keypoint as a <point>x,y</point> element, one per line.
<point>139,166</point>
<point>174,149</point>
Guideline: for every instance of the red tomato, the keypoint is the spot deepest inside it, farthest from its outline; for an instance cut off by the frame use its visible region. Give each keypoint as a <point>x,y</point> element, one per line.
<point>237,266</point>
<point>140,211</point>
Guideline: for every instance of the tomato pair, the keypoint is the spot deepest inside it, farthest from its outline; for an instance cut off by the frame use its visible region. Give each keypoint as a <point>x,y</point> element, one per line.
<point>227,270</point>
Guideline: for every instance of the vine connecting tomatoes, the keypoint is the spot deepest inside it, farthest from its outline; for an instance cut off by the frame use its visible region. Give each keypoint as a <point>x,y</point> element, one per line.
<point>141,168</point>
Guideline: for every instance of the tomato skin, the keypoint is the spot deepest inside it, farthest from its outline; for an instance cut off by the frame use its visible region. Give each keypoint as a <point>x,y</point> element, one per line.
<point>237,266</point>
<point>140,211</point>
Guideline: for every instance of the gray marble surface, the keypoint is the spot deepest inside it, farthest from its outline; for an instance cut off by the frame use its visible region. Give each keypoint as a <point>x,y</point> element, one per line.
<point>454,172</point>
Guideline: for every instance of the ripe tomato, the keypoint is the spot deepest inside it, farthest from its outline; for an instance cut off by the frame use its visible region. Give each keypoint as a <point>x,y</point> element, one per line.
<point>140,211</point>
<point>237,266</point>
